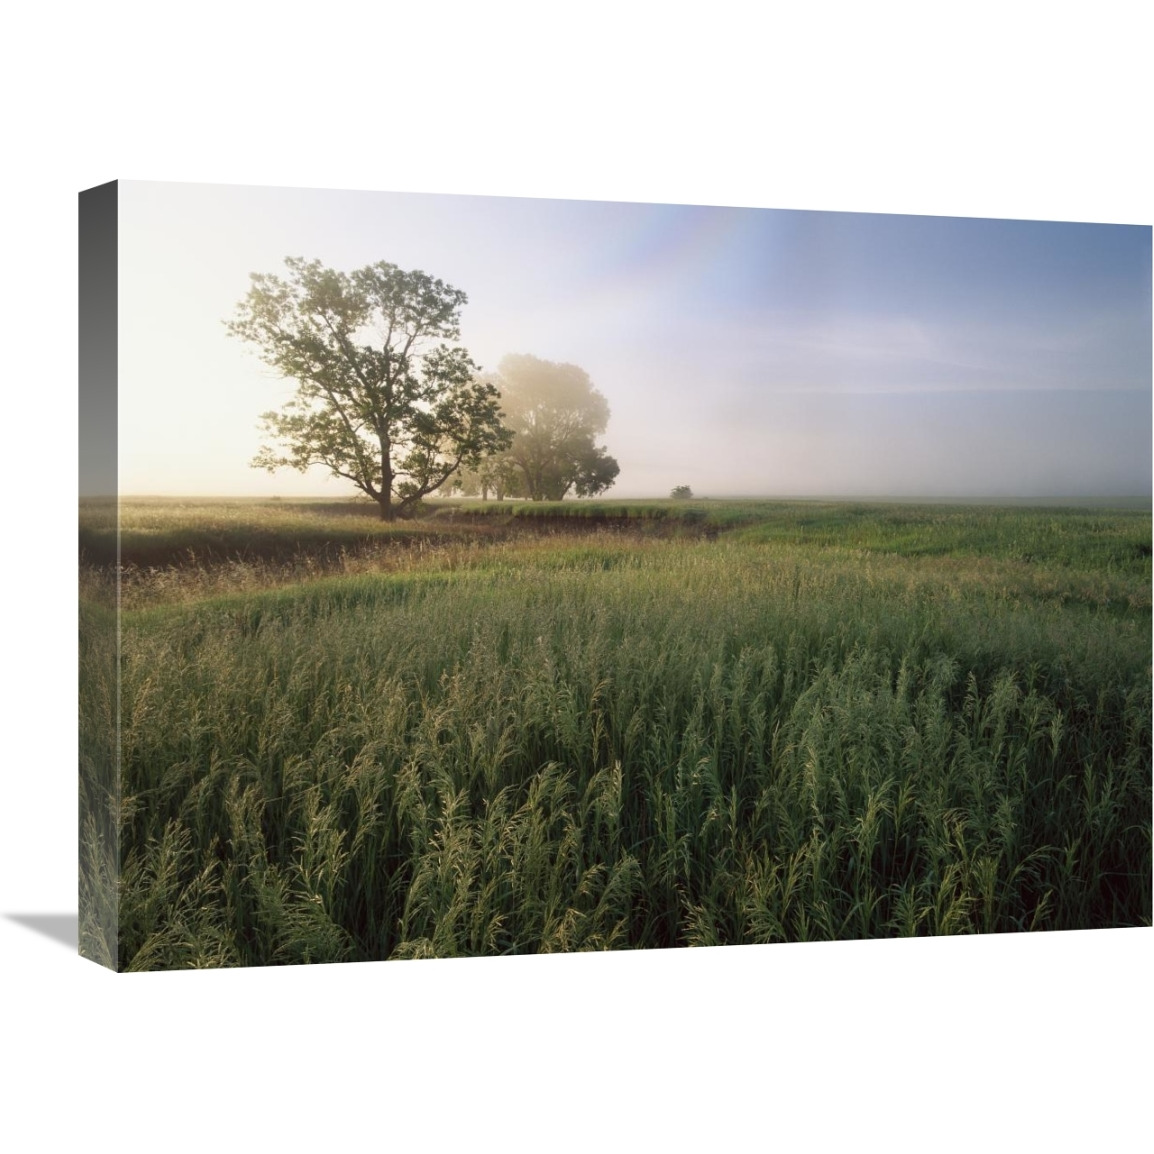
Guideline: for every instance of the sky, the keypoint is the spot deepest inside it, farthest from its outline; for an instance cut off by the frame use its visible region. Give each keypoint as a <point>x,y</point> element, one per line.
<point>742,351</point>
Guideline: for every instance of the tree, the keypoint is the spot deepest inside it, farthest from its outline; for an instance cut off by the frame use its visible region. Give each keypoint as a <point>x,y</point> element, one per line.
<point>554,414</point>
<point>382,399</point>
<point>682,493</point>
<point>496,474</point>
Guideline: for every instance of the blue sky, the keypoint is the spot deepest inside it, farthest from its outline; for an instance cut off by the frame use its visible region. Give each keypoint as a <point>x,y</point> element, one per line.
<point>742,351</point>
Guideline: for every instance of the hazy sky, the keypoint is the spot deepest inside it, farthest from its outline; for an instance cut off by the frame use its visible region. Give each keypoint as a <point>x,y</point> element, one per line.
<point>742,351</point>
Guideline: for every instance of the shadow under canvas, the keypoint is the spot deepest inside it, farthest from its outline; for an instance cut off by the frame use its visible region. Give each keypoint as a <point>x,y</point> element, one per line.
<point>62,928</point>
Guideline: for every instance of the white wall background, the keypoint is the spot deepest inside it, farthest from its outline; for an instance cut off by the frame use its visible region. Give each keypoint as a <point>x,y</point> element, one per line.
<point>977,109</point>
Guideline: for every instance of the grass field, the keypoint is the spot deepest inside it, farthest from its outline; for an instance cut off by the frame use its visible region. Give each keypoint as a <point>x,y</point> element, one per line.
<point>520,728</point>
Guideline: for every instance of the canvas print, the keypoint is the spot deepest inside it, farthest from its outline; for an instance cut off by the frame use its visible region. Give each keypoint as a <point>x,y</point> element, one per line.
<point>469,576</point>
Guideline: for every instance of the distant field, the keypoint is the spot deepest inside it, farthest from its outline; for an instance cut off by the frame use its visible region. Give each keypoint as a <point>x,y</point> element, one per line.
<point>507,728</point>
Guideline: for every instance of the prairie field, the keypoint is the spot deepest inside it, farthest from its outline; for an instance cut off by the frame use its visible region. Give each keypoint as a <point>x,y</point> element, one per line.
<point>524,727</point>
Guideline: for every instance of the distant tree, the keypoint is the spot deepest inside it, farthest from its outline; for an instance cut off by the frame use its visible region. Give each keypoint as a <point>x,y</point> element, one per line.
<point>682,493</point>
<point>383,400</point>
<point>495,475</point>
<point>555,415</point>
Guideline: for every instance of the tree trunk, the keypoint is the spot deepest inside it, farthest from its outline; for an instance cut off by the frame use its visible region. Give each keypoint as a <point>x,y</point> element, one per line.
<point>386,498</point>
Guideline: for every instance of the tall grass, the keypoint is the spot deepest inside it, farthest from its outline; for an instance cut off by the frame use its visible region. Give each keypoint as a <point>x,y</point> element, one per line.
<point>600,742</point>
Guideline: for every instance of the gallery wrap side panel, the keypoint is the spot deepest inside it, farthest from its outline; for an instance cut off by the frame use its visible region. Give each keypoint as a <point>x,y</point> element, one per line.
<point>99,689</point>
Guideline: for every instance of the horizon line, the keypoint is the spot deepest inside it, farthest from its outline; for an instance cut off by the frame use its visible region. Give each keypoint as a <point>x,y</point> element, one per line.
<point>738,496</point>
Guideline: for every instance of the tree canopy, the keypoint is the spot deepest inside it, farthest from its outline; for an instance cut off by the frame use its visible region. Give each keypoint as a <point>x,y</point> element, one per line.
<point>383,399</point>
<point>554,415</point>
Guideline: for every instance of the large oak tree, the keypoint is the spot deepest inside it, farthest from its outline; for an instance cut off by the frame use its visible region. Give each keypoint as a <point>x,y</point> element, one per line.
<point>383,399</point>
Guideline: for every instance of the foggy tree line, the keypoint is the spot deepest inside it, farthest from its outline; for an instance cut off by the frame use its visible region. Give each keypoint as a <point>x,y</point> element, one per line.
<point>389,401</point>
